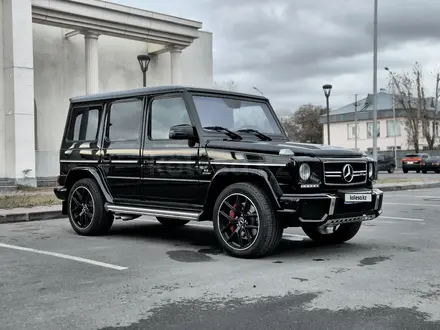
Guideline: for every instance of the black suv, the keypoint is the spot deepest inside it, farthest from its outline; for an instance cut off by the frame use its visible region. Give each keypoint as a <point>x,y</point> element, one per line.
<point>386,163</point>
<point>181,153</point>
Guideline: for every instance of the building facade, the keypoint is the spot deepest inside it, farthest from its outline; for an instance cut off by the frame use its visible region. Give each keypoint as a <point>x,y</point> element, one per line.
<point>55,49</point>
<point>389,132</point>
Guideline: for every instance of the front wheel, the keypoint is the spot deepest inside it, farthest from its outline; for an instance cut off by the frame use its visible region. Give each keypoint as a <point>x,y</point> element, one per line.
<point>245,222</point>
<point>391,169</point>
<point>405,171</point>
<point>333,235</point>
<point>87,214</point>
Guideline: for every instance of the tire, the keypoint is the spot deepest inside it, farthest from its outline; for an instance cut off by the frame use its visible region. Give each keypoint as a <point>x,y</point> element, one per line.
<point>418,171</point>
<point>391,169</point>
<point>172,222</point>
<point>424,171</point>
<point>100,220</point>
<point>343,233</point>
<point>405,171</point>
<point>266,232</point>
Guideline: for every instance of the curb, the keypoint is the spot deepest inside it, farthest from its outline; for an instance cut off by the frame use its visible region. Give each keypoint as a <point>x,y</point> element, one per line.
<point>406,186</point>
<point>30,216</point>
<point>35,215</point>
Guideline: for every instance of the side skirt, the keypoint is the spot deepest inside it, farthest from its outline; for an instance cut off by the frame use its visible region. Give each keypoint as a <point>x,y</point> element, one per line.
<point>120,211</point>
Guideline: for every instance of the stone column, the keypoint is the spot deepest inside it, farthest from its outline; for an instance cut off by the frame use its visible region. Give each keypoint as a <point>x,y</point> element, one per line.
<point>92,63</point>
<point>176,66</point>
<point>18,70</point>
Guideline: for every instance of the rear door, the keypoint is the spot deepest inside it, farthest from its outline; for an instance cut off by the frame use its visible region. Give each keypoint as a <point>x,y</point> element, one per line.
<point>121,158</point>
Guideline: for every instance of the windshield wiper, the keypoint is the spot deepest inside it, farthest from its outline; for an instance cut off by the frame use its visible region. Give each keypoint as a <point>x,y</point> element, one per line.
<point>225,130</point>
<point>262,136</point>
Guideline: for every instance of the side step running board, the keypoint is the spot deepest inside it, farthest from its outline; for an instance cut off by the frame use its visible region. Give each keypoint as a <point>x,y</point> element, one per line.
<point>184,215</point>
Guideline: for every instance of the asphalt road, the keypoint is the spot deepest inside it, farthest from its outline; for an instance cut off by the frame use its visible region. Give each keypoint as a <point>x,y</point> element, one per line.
<point>144,277</point>
<point>412,175</point>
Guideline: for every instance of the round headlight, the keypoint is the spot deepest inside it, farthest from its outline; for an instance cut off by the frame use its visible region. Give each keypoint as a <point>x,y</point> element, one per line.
<point>370,170</point>
<point>304,172</point>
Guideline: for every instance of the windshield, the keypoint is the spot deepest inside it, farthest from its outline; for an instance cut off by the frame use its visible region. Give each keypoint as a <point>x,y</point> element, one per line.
<point>235,114</point>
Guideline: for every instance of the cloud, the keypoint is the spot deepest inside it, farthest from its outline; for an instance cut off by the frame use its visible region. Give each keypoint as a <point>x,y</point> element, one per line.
<point>289,49</point>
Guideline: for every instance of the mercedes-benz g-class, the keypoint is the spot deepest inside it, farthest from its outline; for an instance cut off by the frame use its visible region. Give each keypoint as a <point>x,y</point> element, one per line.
<point>181,154</point>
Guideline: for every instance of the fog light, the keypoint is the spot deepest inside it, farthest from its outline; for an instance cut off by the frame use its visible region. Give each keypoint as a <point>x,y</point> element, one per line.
<point>304,172</point>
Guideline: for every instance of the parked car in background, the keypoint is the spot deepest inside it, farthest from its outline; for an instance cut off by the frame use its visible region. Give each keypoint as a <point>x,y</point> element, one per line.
<point>413,162</point>
<point>432,163</point>
<point>386,163</point>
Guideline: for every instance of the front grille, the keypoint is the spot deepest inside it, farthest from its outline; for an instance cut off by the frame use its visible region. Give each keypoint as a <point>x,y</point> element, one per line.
<point>334,176</point>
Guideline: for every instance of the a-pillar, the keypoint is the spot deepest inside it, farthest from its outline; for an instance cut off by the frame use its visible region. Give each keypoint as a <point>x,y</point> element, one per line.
<point>92,62</point>
<point>18,72</point>
<point>176,66</point>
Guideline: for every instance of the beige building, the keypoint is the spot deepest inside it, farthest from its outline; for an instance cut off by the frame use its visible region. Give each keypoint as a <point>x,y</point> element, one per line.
<point>52,50</point>
<point>343,129</point>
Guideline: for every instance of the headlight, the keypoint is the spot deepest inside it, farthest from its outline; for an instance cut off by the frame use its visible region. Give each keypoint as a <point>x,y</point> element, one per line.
<point>370,170</point>
<point>304,172</point>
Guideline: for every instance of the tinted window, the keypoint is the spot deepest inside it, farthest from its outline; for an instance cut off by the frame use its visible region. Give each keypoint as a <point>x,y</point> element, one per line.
<point>165,113</point>
<point>125,120</point>
<point>235,114</point>
<point>84,124</point>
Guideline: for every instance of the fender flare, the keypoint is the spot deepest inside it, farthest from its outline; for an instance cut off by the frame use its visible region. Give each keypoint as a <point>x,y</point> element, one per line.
<point>98,178</point>
<point>268,178</point>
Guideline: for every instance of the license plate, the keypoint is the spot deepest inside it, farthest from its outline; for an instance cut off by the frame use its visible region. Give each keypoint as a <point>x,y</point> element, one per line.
<point>358,198</point>
<point>410,162</point>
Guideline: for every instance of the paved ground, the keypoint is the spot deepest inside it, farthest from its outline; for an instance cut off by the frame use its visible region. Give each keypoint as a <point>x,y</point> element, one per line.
<point>143,277</point>
<point>412,175</point>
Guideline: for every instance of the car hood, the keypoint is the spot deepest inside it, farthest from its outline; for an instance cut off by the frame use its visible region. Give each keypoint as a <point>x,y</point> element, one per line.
<point>274,147</point>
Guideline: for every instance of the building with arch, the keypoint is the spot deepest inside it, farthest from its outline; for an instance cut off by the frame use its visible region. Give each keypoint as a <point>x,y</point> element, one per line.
<point>53,50</point>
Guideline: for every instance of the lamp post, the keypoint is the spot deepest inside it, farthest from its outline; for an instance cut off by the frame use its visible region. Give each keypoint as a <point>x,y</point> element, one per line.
<point>327,89</point>
<point>259,91</point>
<point>375,83</point>
<point>144,61</point>
<point>394,111</point>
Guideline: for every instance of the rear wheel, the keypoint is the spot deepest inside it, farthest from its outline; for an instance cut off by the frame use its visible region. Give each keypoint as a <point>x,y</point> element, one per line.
<point>391,169</point>
<point>333,235</point>
<point>424,171</point>
<point>405,171</point>
<point>245,223</point>
<point>86,211</point>
<point>418,171</point>
<point>172,222</point>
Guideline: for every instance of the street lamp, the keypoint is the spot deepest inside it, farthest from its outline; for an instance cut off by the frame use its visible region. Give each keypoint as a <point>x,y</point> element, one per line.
<point>144,61</point>
<point>394,111</point>
<point>375,82</point>
<point>259,91</point>
<point>327,89</point>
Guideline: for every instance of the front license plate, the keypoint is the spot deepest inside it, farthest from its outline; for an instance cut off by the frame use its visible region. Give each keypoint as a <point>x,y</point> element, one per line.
<point>358,198</point>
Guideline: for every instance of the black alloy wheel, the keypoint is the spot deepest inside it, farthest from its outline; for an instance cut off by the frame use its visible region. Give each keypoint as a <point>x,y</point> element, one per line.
<point>85,206</point>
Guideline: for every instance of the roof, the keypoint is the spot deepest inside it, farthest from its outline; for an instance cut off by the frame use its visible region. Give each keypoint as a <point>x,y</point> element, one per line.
<point>364,110</point>
<point>157,90</point>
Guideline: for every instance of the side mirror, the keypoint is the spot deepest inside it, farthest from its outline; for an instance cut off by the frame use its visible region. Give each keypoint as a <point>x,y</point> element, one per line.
<point>182,132</point>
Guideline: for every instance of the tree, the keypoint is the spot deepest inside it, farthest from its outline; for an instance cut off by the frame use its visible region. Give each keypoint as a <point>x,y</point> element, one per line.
<point>418,109</point>
<point>303,125</point>
<point>229,85</point>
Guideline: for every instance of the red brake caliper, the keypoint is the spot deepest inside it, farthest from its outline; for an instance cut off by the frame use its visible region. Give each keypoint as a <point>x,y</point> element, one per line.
<point>232,215</point>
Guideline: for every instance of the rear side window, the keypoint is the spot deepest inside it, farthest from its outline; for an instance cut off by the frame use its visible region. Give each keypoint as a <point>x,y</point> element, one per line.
<point>125,120</point>
<point>84,124</point>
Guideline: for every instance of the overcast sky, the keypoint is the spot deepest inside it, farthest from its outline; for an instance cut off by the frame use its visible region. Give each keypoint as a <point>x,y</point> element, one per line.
<point>290,48</point>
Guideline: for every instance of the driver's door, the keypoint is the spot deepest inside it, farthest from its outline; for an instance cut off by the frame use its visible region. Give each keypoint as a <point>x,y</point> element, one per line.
<point>170,167</point>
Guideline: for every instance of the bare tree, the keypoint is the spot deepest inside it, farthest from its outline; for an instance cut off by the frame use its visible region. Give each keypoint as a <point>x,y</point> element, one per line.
<point>303,125</point>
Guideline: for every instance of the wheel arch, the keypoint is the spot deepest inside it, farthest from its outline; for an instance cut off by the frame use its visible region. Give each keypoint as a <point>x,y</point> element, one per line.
<point>79,173</point>
<point>227,176</point>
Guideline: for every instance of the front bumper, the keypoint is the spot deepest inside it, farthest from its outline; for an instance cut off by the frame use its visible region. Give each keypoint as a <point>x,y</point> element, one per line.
<point>330,209</point>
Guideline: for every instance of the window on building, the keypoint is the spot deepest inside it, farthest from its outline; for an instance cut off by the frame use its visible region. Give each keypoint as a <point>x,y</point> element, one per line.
<point>125,120</point>
<point>393,128</point>
<point>84,124</point>
<point>351,131</point>
<point>370,129</point>
<point>165,113</point>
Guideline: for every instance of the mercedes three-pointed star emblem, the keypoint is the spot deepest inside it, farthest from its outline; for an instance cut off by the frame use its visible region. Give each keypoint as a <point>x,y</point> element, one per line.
<point>347,173</point>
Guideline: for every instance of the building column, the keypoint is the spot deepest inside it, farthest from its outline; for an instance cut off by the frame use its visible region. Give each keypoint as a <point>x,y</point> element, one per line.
<point>18,70</point>
<point>92,62</point>
<point>176,66</point>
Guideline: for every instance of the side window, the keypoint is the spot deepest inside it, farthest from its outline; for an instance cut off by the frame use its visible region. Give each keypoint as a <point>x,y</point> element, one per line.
<point>84,124</point>
<point>125,120</point>
<point>165,113</point>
